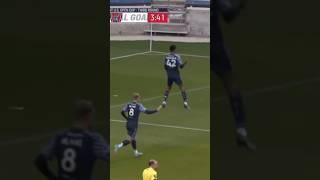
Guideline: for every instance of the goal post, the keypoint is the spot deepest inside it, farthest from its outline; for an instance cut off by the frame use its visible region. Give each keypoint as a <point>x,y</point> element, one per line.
<point>151,38</point>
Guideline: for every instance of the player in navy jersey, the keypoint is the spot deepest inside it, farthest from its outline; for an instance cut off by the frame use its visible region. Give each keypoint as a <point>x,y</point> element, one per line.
<point>221,65</point>
<point>172,64</point>
<point>131,112</point>
<point>76,149</point>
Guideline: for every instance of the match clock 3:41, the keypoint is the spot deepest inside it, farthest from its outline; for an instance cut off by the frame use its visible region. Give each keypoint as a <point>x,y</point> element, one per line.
<point>158,17</point>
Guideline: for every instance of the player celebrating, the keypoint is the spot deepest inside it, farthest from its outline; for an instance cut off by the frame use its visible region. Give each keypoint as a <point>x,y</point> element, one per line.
<point>172,64</point>
<point>76,149</point>
<point>131,112</point>
<point>222,67</point>
<point>150,173</point>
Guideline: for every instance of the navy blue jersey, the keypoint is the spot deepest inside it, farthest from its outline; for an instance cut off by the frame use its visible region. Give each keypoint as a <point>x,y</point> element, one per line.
<point>172,63</point>
<point>76,151</point>
<point>133,109</point>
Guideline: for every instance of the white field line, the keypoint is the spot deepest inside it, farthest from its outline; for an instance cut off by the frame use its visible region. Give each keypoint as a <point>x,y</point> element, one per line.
<point>157,97</point>
<point>129,55</point>
<point>166,126</point>
<point>32,138</point>
<point>159,52</point>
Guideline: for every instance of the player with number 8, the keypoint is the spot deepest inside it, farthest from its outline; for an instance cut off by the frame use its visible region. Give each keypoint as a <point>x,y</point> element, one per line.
<point>76,149</point>
<point>131,112</point>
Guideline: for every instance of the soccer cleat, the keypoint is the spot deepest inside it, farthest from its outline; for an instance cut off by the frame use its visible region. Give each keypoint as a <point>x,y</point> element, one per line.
<point>164,104</point>
<point>185,105</point>
<point>243,141</point>
<point>116,148</point>
<point>138,154</point>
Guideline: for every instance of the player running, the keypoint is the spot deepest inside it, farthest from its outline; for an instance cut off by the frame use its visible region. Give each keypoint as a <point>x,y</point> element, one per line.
<point>172,64</point>
<point>150,173</point>
<point>131,112</point>
<point>76,149</point>
<point>221,65</point>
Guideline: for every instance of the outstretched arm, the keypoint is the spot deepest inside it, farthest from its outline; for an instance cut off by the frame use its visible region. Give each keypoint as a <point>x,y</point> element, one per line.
<point>147,111</point>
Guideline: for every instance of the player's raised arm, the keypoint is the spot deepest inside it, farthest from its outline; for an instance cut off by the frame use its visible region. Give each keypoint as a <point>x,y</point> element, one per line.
<point>41,161</point>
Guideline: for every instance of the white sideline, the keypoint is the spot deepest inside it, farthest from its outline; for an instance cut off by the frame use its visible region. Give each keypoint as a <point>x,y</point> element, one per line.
<point>165,126</point>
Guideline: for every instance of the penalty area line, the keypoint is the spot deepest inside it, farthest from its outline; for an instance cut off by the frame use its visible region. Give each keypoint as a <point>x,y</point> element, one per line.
<point>165,126</point>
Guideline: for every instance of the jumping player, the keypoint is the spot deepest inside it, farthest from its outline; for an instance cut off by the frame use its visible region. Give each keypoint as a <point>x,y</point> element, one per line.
<point>172,64</point>
<point>131,112</point>
<point>221,65</point>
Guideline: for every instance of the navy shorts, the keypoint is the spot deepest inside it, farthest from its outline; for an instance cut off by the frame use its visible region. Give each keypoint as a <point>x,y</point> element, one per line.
<point>172,80</point>
<point>220,60</point>
<point>132,132</point>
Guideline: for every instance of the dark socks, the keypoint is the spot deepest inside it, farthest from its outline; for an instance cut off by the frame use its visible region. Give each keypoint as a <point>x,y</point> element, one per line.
<point>184,96</point>
<point>134,144</point>
<point>125,142</point>
<point>165,95</point>
<point>238,109</point>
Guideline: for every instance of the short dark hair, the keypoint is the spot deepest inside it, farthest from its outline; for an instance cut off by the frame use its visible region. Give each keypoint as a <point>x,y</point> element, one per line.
<point>83,108</point>
<point>172,48</point>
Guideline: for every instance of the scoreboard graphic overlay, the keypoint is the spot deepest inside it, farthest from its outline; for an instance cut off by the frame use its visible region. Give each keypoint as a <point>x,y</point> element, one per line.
<point>139,15</point>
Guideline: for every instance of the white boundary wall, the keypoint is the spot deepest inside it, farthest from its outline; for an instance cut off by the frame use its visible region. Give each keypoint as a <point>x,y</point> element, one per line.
<point>198,20</point>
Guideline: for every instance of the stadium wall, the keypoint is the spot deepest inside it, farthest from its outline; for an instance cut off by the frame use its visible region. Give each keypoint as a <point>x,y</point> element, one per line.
<point>198,20</point>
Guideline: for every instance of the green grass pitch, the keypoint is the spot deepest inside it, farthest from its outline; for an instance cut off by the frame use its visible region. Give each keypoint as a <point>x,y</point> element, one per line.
<point>183,153</point>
